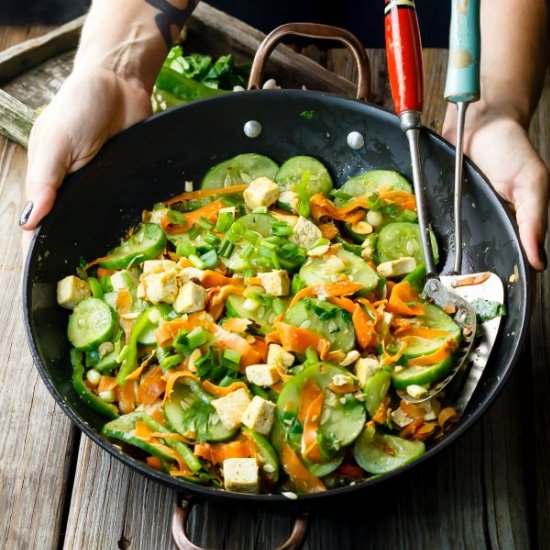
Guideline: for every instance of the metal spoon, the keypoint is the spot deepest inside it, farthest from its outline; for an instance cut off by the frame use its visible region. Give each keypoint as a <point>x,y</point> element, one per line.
<point>404,53</point>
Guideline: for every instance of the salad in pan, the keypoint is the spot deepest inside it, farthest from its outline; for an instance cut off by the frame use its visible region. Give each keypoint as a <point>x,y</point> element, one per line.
<point>263,333</point>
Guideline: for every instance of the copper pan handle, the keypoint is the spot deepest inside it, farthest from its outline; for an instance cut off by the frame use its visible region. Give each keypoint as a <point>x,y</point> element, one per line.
<point>182,507</point>
<point>312,30</point>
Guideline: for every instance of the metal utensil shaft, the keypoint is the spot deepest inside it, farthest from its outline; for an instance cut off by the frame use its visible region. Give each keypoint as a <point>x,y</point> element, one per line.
<point>461,107</point>
<point>410,123</point>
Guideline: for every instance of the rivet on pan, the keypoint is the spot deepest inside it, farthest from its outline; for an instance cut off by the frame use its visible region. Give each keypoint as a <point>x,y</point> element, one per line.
<point>355,140</point>
<point>252,129</point>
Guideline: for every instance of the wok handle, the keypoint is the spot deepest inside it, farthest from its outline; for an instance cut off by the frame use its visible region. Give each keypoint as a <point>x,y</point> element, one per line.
<point>404,53</point>
<point>312,30</point>
<point>182,507</point>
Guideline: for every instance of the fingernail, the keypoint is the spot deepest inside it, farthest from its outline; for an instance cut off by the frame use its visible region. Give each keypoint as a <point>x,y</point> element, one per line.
<point>26,214</point>
<point>542,255</point>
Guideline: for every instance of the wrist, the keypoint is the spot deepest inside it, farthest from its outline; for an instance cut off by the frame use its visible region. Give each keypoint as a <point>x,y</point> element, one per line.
<point>130,47</point>
<point>481,114</point>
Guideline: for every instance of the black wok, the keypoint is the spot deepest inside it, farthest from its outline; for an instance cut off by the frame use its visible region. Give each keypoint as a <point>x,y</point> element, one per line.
<point>150,161</point>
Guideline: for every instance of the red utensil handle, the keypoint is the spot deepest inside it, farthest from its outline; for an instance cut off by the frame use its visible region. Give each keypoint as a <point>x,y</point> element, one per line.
<point>404,53</point>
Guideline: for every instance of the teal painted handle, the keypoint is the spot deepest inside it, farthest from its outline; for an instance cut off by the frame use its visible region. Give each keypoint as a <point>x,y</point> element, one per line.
<point>462,83</point>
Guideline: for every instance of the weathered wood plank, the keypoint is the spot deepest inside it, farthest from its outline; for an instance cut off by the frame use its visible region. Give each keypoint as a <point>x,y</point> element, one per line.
<point>37,86</point>
<point>16,119</point>
<point>30,53</point>
<point>114,507</point>
<point>36,438</point>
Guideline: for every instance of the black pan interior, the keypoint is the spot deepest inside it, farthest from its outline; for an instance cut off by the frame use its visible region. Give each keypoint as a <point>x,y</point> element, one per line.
<point>150,162</point>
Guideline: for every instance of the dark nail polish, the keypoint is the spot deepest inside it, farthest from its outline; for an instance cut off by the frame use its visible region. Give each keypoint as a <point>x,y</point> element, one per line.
<point>26,214</point>
<point>543,257</point>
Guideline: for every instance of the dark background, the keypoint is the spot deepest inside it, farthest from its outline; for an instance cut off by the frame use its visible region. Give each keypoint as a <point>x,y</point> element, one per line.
<point>363,17</point>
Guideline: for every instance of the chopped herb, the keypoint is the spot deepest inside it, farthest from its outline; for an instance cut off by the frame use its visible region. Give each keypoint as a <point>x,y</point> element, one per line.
<point>308,115</point>
<point>488,309</point>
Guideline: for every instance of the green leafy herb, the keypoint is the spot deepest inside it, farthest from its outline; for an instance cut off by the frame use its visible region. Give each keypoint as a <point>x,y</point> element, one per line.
<point>488,309</point>
<point>308,115</point>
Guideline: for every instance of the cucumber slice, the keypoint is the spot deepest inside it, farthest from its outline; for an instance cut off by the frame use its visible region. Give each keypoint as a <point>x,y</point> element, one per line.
<point>322,469</point>
<point>399,239</point>
<point>434,318</point>
<point>259,223</point>
<point>123,428</point>
<point>340,422</point>
<point>384,453</point>
<point>375,389</point>
<point>267,457</point>
<point>263,315</point>
<point>188,410</point>
<point>147,243</point>
<point>91,323</point>
<point>318,271</point>
<point>331,322</point>
<point>420,376</point>
<point>240,169</point>
<point>375,180</point>
<point>304,175</point>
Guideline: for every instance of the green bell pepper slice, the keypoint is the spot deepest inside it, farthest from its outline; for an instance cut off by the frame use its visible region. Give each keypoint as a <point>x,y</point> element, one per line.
<point>90,398</point>
<point>181,448</point>
<point>145,322</point>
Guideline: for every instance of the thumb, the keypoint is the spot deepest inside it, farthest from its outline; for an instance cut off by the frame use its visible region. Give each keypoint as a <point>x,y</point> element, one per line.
<point>47,166</point>
<point>531,204</point>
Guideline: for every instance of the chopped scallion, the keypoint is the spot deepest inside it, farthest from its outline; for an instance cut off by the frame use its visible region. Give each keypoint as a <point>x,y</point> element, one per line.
<point>197,337</point>
<point>209,259</point>
<point>224,221</point>
<point>203,223</point>
<point>196,261</point>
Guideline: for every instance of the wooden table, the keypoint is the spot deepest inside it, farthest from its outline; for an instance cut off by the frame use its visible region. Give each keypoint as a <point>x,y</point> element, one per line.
<point>59,490</point>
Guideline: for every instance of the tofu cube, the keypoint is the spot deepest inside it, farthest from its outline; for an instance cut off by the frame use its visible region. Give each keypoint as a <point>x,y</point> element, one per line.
<point>241,475</point>
<point>262,375</point>
<point>396,268</point>
<point>231,407</point>
<point>259,415</point>
<point>276,282</point>
<point>191,297</point>
<point>305,233</point>
<point>158,266</point>
<point>279,358</point>
<point>71,291</point>
<point>365,367</point>
<point>159,287</point>
<point>260,192</point>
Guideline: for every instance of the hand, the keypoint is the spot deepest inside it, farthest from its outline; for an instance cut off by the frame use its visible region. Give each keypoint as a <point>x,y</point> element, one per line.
<point>500,146</point>
<point>90,107</point>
